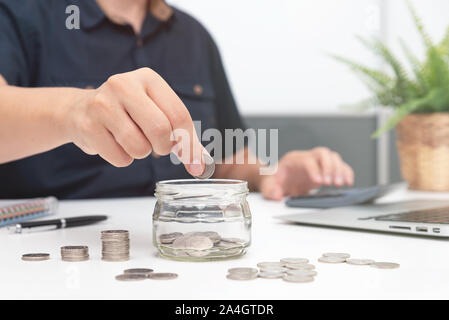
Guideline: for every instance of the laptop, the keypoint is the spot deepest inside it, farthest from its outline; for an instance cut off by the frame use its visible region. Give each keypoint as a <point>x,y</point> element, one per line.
<point>417,217</point>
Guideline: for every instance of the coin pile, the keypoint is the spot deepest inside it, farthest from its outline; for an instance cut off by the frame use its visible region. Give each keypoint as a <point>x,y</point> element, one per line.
<point>35,256</point>
<point>199,243</point>
<point>74,253</point>
<point>115,245</point>
<point>138,274</point>
<point>334,257</point>
<point>289,269</point>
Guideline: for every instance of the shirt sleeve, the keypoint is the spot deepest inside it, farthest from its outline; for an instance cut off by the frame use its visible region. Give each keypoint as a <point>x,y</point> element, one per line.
<point>14,64</point>
<point>227,114</point>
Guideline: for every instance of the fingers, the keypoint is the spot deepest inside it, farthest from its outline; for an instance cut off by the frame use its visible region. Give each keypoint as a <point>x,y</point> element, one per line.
<point>348,174</point>
<point>271,188</point>
<point>337,175</point>
<point>127,134</point>
<point>191,150</point>
<point>326,162</point>
<point>109,149</point>
<point>334,170</point>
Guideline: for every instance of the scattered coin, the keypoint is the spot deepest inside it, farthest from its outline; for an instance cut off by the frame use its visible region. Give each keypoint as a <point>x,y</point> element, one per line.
<point>294,260</point>
<point>300,266</point>
<point>162,275</point>
<point>271,275</point>
<point>290,278</point>
<point>242,270</point>
<point>74,253</point>
<point>242,276</point>
<point>168,238</point>
<point>337,255</point>
<point>35,256</point>
<point>332,260</point>
<point>138,271</point>
<point>385,265</point>
<point>270,264</point>
<point>360,262</point>
<point>115,245</point>
<point>303,273</point>
<point>131,277</point>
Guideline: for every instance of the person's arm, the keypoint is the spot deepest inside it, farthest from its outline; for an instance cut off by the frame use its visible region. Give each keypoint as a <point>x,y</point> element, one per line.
<point>126,118</point>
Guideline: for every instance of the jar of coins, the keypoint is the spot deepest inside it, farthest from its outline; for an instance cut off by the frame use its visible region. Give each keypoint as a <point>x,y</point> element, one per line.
<point>200,220</point>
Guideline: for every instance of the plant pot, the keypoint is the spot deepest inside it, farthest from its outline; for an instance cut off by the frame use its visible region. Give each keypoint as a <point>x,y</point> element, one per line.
<point>423,144</point>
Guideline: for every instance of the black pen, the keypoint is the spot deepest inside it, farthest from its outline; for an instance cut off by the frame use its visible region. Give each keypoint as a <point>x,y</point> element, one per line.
<point>59,223</point>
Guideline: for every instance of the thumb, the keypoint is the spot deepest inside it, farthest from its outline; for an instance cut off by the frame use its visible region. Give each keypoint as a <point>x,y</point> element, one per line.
<point>271,188</point>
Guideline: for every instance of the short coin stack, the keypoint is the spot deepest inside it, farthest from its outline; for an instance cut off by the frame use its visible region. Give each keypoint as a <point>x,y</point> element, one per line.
<point>115,245</point>
<point>138,274</point>
<point>35,256</point>
<point>289,269</point>
<point>334,257</point>
<point>74,253</point>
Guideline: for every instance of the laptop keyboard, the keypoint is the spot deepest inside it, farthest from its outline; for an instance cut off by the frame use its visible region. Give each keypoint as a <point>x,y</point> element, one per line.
<point>437,215</point>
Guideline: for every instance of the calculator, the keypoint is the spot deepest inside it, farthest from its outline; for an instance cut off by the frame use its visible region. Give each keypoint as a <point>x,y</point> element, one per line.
<point>332,198</point>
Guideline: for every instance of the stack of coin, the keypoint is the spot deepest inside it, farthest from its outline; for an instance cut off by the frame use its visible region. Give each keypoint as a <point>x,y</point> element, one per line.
<point>242,274</point>
<point>138,274</point>
<point>74,253</point>
<point>115,245</point>
<point>35,256</point>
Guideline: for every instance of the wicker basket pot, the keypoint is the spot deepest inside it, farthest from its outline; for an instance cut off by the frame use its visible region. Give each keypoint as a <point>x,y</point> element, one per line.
<point>423,144</point>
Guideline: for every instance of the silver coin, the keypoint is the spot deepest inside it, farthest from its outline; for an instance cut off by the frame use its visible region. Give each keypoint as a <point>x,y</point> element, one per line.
<point>385,265</point>
<point>162,276</point>
<point>271,275</point>
<point>242,276</point>
<point>234,240</point>
<point>301,279</point>
<point>331,260</point>
<point>197,253</point>
<point>75,259</point>
<point>179,243</point>
<point>74,248</point>
<point>337,255</point>
<point>138,271</point>
<point>35,256</point>
<point>300,266</point>
<point>270,264</point>
<point>168,238</point>
<point>303,273</point>
<point>199,243</point>
<point>295,260</point>
<point>243,270</point>
<point>131,277</point>
<point>273,269</point>
<point>360,262</point>
<point>209,168</point>
<point>214,236</point>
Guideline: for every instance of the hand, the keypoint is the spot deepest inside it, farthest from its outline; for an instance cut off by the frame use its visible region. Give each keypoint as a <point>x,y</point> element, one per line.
<point>131,115</point>
<point>301,171</point>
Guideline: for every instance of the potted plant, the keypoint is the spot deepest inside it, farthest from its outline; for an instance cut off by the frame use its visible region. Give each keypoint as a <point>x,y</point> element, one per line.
<point>420,99</point>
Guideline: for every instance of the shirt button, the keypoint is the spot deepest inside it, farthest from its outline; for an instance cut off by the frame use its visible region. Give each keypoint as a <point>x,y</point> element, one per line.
<point>198,89</point>
<point>139,43</point>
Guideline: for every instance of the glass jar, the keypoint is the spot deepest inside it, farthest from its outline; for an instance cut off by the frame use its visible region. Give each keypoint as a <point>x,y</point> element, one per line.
<point>200,220</point>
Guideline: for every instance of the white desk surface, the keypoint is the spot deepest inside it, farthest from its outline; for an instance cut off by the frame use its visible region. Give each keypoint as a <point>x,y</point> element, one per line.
<point>424,271</point>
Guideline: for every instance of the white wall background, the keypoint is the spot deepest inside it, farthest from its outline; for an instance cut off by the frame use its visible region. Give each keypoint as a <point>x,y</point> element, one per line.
<point>275,52</point>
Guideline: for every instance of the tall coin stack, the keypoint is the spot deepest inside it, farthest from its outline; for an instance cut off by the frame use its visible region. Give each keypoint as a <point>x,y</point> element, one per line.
<point>74,253</point>
<point>115,245</point>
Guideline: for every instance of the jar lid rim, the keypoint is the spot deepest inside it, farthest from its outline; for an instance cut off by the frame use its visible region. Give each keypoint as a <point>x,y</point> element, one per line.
<point>205,182</point>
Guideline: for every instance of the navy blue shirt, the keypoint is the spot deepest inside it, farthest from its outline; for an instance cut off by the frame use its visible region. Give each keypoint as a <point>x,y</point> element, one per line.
<point>37,50</point>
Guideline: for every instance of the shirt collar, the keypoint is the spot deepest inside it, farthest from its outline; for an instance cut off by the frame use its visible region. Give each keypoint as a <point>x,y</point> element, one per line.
<point>91,14</point>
